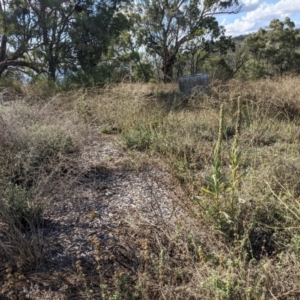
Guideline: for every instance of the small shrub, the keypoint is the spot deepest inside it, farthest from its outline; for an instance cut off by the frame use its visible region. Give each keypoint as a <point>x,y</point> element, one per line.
<point>138,137</point>
<point>40,89</point>
<point>28,155</point>
<point>49,141</point>
<point>21,219</point>
<point>20,206</point>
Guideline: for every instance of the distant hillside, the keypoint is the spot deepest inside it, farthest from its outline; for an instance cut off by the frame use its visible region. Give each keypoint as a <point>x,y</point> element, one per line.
<point>242,37</point>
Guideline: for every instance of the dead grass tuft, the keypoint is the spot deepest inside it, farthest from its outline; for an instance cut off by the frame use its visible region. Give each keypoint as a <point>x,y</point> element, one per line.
<point>38,149</point>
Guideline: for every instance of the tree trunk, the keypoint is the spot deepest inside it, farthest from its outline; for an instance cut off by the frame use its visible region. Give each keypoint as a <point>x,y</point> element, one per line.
<point>193,64</point>
<point>52,62</point>
<point>3,48</point>
<point>52,70</point>
<point>3,53</point>
<point>167,68</point>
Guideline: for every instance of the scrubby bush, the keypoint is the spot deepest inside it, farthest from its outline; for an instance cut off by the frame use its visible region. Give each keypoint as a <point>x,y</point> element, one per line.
<point>91,78</point>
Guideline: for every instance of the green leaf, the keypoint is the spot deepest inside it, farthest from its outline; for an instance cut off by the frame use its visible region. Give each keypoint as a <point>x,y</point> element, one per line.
<point>198,199</point>
<point>227,217</point>
<point>208,192</point>
<point>229,189</point>
<point>210,180</point>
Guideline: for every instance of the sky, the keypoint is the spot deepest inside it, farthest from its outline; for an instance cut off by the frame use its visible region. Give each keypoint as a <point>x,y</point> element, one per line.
<point>257,14</point>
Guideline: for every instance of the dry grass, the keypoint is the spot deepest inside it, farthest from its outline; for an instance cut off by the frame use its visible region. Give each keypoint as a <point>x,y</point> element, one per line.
<point>251,254</point>
<point>38,151</point>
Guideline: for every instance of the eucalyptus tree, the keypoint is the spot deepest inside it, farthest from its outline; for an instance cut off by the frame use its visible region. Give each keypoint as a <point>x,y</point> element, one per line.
<point>18,33</point>
<point>54,19</point>
<point>197,51</point>
<point>166,26</point>
<point>53,36</point>
<point>95,26</point>
<point>35,34</point>
<point>127,50</point>
<point>277,47</point>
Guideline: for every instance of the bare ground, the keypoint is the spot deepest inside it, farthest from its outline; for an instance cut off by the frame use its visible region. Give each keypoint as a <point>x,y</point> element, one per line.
<point>107,201</point>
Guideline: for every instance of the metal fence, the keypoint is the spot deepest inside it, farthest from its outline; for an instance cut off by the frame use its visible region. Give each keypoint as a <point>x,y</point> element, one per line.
<point>194,85</point>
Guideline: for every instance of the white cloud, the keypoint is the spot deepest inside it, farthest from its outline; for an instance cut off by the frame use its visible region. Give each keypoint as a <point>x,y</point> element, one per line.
<point>249,5</point>
<point>261,15</point>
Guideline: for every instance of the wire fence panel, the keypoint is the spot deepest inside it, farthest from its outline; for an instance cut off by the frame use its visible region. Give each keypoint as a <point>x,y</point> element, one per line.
<point>194,85</point>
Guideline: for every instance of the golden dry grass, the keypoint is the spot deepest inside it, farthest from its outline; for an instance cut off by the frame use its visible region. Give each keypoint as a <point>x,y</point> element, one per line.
<point>254,255</point>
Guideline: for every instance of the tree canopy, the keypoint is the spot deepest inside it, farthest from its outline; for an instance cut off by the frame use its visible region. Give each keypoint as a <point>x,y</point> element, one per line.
<point>276,46</point>
<point>143,39</point>
<point>51,36</point>
<point>165,26</point>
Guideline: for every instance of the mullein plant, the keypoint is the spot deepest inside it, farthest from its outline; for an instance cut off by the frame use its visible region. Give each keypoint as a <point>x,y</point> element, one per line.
<point>218,185</point>
<point>235,159</point>
<point>215,182</point>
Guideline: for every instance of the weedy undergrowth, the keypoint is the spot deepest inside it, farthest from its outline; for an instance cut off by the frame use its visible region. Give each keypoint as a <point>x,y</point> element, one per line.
<point>82,108</point>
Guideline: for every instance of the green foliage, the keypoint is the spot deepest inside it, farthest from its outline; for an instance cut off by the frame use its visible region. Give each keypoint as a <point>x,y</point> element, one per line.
<point>139,137</point>
<point>93,30</point>
<point>19,206</point>
<point>271,51</point>
<point>10,81</point>
<point>215,181</point>
<point>96,76</point>
<point>226,288</point>
<point>124,289</point>
<point>143,72</point>
<point>15,35</point>
<point>42,87</point>
<point>224,191</point>
<point>295,245</point>
<point>83,109</point>
<point>254,70</point>
<point>95,41</point>
<point>275,48</point>
<point>50,141</point>
<point>217,68</point>
<point>51,37</point>
<point>166,27</point>
<point>199,55</point>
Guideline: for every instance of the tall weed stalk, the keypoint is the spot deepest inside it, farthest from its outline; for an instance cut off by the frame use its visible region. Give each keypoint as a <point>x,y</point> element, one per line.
<point>235,158</point>
<point>218,185</point>
<point>215,181</point>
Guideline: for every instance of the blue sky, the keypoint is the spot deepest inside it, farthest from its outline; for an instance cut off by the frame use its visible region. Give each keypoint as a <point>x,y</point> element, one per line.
<point>258,13</point>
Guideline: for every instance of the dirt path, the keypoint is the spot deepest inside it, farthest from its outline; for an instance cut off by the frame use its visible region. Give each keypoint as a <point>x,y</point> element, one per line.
<point>107,202</point>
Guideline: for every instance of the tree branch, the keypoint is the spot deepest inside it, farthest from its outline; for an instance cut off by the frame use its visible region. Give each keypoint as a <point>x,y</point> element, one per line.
<point>18,63</point>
